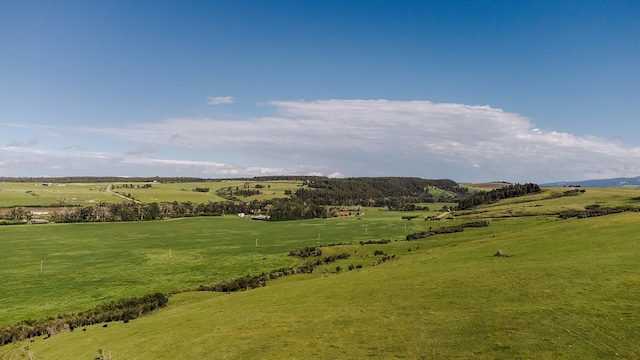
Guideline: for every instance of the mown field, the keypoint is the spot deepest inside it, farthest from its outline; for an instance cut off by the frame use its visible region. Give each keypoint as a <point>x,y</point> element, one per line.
<point>568,290</point>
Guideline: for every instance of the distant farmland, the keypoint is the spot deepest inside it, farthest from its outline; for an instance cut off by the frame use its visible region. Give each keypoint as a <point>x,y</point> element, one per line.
<point>529,285</point>
<point>84,194</point>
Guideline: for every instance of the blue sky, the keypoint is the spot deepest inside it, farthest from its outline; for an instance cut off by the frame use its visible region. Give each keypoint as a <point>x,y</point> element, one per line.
<point>469,90</point>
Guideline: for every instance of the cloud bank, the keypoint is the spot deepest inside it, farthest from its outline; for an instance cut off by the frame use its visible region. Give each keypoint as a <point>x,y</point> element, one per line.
<point>361,138</point>
<point>218,100</point>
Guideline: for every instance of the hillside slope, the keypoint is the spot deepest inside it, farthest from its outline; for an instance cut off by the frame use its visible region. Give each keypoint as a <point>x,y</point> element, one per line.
<point>568,290</point>
<point>598,183</point>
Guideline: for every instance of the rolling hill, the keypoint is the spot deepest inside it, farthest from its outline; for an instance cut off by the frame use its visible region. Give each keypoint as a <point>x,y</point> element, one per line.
<point>561,288</point>
<point>598,183</point>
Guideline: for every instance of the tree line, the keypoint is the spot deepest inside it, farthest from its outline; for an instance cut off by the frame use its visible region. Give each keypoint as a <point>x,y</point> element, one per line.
<point>276,209</point>
<point>488,197</point>
<point>446,230</point>
<point>248,282</point>
<point>596,210</point>
<point>232,194</point>
<point>128,211</point>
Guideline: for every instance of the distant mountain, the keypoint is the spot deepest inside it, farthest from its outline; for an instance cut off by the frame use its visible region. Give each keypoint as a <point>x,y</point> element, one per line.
<point>599,183</point>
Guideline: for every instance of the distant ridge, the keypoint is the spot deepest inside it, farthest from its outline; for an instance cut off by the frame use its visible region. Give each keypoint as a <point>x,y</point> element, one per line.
<point>598,183</point>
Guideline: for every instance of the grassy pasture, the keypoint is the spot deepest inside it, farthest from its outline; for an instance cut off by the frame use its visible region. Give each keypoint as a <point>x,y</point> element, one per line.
<point>90,263</point>
<point>441,193</point>
<point>160,192</point>
<point>35,194</point>
<point>569,290</point>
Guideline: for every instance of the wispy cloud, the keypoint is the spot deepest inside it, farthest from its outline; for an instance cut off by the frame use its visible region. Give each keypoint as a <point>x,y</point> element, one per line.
<point>106,163</point>
<point>15,143</point>
<point>218,100</point>
<point>375,137</point>
<point>141,151</point>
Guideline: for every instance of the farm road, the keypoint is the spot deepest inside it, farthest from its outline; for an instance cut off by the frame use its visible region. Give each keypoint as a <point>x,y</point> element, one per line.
<point>108,190</point>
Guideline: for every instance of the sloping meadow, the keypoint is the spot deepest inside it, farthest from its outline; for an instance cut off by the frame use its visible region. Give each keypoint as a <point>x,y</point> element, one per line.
<point>568,289</point>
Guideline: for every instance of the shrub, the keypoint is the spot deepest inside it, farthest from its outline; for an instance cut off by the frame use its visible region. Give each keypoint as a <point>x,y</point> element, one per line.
<point>369,242</point>
<point>306,252</point>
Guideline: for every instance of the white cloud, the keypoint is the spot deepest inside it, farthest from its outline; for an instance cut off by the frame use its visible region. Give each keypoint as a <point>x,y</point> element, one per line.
<point>218,100</point>
<point>105,163</point>
<point>374,138</point>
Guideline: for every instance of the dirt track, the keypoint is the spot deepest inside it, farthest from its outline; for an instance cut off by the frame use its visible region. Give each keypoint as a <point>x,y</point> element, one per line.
<point>108,189</point>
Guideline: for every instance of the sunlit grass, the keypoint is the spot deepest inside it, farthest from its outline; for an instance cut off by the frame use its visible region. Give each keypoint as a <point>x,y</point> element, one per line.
<point>568,290</point>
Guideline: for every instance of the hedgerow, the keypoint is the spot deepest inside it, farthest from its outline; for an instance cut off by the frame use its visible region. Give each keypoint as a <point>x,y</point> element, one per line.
<point>120,310</point>
<point>595,210</point>
<point>446,230</point>
<point>248,282</point>
<point>370,242</point>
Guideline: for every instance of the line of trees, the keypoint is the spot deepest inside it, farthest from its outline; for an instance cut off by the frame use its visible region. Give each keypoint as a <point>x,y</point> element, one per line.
<point>375,242</point>
<point>248,282</point>
<point>488,197</point>
<point>595,210</point>
<point>131,186</point>
<point>446,230</point>
<point>128,211</point>
<point>277,209</point>
<point>232,194</point>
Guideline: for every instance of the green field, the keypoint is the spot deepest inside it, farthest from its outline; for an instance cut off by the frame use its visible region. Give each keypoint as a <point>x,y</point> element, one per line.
<point>85,264</point>
<point>35,194</point>
<point>569,290</point>
<point>162,192</point>
<point>59,194</point>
